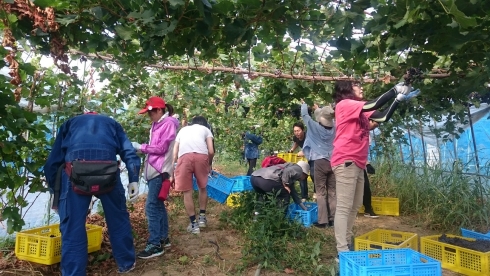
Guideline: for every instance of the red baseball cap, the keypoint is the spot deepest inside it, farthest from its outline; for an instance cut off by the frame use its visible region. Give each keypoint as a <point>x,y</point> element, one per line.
<point>152,103</point>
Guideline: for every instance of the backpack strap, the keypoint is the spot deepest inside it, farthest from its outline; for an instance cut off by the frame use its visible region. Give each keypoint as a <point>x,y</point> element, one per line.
<point>57,186</point>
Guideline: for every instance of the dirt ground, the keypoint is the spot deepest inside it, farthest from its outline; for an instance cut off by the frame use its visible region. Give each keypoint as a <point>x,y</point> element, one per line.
<point>198,254</point>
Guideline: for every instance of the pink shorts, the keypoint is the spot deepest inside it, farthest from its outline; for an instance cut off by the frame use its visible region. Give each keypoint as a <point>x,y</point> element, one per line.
<point>189,164</point>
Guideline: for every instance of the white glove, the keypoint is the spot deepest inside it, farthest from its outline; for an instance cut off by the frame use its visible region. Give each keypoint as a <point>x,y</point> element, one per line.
<point>403,97</point>
<point>136,146</point>
<point>133,191</point>
<point>403,89</point>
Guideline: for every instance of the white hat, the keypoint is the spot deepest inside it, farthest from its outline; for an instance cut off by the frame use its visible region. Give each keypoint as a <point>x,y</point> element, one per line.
<point>325,116</point>
<point>304,167</point>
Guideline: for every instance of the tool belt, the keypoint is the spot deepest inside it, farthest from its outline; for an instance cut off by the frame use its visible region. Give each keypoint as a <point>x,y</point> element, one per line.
<point>92,177</point>
<point>87,177</point>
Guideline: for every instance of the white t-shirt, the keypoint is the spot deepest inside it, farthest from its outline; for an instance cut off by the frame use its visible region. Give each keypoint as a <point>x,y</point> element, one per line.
<point>193,139</point>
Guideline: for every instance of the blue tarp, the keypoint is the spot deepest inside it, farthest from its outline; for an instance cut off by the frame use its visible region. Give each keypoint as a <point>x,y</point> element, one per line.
<point>461,149</point>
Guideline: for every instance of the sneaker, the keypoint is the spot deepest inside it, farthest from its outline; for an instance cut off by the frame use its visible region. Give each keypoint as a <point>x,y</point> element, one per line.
<point>256,215</point>
<point>320,225</point>
<point>203,222</point>
<point>124,271</point>
<point>303,200</point>
<point>151,251</point>
<point>370,214</point>
<point>165,243</point>
<point>350,246</point>
<point>193,228</point>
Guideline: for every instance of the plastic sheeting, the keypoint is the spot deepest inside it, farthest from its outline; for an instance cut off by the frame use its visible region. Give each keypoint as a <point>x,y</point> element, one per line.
<point>438,152</point>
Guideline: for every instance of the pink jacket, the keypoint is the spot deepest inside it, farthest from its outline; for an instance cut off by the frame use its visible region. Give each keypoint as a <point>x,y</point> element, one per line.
<point>160,148</point>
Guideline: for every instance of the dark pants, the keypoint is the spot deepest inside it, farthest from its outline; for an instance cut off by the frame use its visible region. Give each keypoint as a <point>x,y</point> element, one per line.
<point>366,199</point>
<point>263,186</point>
<point>303,184</point>
<point>156,213</point>
<point>73,214</point>
<point>252,163</point>
<point>326,196</point>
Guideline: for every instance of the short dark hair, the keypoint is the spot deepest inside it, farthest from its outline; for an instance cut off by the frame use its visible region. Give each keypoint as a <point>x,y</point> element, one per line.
<point>300,125</point>
<point>343,90</point>
<point>200,120</point>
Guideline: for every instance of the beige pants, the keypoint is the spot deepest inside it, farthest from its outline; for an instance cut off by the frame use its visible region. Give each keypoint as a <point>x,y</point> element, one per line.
<point>350,189</point>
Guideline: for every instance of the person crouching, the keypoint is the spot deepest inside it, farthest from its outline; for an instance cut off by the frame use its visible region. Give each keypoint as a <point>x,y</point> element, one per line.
<point>279,180</point>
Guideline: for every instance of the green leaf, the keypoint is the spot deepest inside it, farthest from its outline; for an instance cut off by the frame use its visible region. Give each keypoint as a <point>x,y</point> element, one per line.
<point>176,3</point>
<point>463,20</point>
<point>58,4</point>
<point>134,14</point>
<point>294,28</point>
<point>12,18</point>
<point>164,28</point>
<point>147,16</point>
<point>8,148</point>
<point>67,19</point>
<point>28,68</point>
<point>344,47</point>
<point>32,167</point>
<point>224,7</point>
<point>98,13</point>
<point>206,3</point>
<point>124,32</point>
<point>30,116</point>
<point>453,24</point>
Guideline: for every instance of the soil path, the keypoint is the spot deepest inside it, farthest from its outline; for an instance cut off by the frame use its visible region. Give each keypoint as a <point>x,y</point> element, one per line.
<point>198,254</point>
<point>195,255</point>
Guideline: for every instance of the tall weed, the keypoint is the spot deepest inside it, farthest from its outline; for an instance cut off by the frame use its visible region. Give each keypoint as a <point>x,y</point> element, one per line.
<point>274,242</point>
<point>442,199</point>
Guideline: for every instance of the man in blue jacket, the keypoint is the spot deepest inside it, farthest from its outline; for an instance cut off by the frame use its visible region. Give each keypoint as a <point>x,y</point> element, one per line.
<point>92,137</point>
<point>252,143</point>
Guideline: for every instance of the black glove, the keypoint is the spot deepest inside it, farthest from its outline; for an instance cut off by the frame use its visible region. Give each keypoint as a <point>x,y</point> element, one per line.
<point>370,169</point>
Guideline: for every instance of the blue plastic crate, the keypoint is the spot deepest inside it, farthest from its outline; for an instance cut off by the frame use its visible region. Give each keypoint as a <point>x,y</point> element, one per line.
<point>475,235</point>
<point>242,183</point>
<point>389,262</point>
<point>219,187</point>
<point>307,218</point>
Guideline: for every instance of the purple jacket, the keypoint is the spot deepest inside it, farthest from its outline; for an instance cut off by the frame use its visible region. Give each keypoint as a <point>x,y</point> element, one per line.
<point>160,148</point>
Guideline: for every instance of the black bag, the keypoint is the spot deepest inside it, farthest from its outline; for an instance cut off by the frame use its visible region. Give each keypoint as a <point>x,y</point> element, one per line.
<point>93,177</point>
<point>370,169</point>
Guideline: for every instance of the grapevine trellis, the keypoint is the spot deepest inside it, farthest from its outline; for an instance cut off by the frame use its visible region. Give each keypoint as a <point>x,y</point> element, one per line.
<point>266,73</point>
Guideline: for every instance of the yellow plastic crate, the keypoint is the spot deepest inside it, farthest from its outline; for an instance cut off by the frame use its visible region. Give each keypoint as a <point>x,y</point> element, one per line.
<point>386,239</point>
<point>43,244</point>
<point>387,206</point>
<point>292,158</point>
<point>288,157</point>
<point>231,200</point>
<point>455,258</point>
